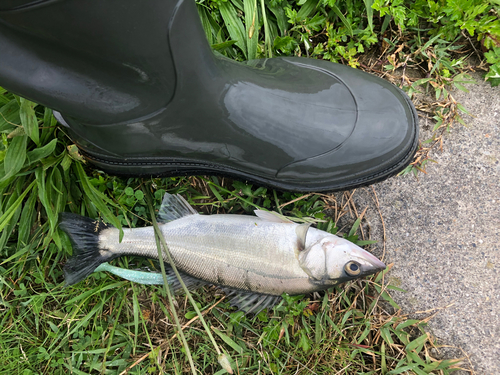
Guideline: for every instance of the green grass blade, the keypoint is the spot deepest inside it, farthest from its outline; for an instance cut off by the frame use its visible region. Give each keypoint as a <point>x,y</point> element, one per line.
<point>11,198</point>
<point>343,19</point>
<point>222,357</point>
<point>27,218</point>
<point>238,4</point>
<point>160,241</point>
<point>29,120</point>
<point>205,22</point>
<point>307,9</point>
<point>17,255</point>
<point>3,98</point>
<point>369,13</point>
<point>355,227</point>
<point>14,158</point>
<point>222,46</point>
<point>88,293</point>
<point>383,361</point>
<point>98,198</point>
<point>49,125</point>
<point>252,27</point>
<point>229,341</point>
<point>41,152</point>
<point>417,343</point>
<point>234,25</point>
<point>268,49</point>
<point>408,323</point>
<point>136,311</point>
<point>385,24</point>
<point>9,212</point>
<point>9,116</point>
<point>281,18</point>
<point>215,192</point>
<point>41,180</point>
<point>110,339</point>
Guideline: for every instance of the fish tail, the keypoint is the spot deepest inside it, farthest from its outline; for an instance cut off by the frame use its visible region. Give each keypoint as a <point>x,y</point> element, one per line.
<point>87,254</point>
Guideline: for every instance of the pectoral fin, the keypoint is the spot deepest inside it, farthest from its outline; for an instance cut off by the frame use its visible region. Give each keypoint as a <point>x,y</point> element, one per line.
<point>273,217</point>
<point>301,231</point>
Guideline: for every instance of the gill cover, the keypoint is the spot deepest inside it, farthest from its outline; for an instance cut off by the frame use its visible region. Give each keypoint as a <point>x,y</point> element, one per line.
<point>332,260</point>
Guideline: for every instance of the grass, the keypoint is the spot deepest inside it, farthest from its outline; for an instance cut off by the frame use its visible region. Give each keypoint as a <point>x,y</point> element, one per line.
<point>107,325</point>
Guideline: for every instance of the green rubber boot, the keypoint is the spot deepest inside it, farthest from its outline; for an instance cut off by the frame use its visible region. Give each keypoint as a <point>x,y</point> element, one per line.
<point>143,94</point>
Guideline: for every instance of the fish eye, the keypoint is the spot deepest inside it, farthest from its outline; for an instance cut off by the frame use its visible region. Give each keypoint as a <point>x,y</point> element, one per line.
<point>352,268</point>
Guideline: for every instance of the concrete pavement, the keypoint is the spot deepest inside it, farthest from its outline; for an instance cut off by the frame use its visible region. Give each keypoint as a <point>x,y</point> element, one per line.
<point>443,233</point>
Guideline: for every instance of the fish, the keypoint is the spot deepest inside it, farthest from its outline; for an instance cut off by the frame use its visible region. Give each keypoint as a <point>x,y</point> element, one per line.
<point>254,259</point>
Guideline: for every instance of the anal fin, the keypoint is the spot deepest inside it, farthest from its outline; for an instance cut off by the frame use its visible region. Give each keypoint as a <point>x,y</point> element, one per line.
<point>250,302</point>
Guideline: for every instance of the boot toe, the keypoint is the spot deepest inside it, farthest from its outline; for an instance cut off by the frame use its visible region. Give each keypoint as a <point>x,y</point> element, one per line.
<point>382,141</point>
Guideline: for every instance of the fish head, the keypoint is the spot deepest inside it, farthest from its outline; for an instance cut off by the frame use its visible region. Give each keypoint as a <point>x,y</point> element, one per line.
<point>332,260</point>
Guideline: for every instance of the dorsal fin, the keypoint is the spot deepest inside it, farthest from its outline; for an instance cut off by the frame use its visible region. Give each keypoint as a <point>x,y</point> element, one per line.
<point>301,231</point>
<point>272,216</point>
<point>174,207</point>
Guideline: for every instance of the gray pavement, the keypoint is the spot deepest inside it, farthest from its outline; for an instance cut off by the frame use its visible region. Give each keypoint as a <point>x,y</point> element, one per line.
<point>443,232</point>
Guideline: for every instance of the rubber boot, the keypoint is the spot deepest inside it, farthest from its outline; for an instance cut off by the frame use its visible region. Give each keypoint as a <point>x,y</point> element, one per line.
<point>143,94</point>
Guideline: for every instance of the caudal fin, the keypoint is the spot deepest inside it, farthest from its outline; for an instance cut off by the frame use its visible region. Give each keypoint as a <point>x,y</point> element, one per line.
<point>84,235</point>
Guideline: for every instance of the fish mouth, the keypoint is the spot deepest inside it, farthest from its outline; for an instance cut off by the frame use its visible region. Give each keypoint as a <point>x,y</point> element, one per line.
<point>371,264</point>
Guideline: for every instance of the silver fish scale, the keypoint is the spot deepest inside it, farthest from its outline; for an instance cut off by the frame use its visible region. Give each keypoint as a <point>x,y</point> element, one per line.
<point>243,252</point>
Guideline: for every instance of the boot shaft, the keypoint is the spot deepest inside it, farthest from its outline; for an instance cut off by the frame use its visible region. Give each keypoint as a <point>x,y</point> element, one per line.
<point>98,61</point>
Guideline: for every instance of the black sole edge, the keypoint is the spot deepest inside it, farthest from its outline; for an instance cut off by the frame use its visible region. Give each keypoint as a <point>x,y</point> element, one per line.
<point>216,170</point>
